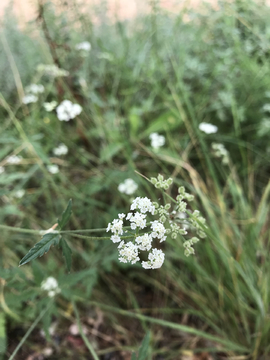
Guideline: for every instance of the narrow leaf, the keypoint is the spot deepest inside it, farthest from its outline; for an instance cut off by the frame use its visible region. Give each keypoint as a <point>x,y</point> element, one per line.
<point>144,347</point>
<point>41,247</point>
<point>66,253</point>
<point>66,215</point>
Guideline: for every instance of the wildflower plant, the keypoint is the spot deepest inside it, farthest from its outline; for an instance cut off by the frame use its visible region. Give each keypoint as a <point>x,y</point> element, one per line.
<point>147,225</point>
<point>142,234</point>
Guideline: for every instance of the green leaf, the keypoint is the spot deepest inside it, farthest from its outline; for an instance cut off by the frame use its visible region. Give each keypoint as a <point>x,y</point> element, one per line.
<point>66,253</point>
<point>66,215</point>
<point>144,347</point>
<point>42,247</point>
<point>133,357</point>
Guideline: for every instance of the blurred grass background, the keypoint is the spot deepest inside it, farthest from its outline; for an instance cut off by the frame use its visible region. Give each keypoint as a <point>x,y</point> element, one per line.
<point>159,72</point>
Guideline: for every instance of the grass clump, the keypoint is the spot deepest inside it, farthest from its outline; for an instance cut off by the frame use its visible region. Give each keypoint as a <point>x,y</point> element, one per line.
<point>162,74</point>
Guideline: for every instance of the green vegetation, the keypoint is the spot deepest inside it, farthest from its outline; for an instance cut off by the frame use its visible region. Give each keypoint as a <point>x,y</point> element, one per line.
<point>159,73</point>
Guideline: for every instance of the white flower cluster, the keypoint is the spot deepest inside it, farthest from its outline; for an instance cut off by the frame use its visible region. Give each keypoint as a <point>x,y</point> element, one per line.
<point>14,159</point>
<point>31,93</point>
<point>156,140</point>
<point>67,110</point>
<point>157,229</point>
<point>62,149</point>
<point>208,128</point>
<point>85,46</point>
<point>51,286</point>
<point>128,187</point>
<point>52,70</point>
<point>221,152</point>
<point>53,169</point>
<point>129,252</point>
<point>50,106</point>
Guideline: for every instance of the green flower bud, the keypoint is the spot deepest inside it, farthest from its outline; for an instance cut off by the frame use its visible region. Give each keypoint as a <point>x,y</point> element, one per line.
<point>153,180</point>
<point>181,190</point>
<point>174,235</point>
<point>160,177</point>
<point>156,205</point>
<point>170,181</point>
<point>167,206</point>
<point>166,186</point>
<point>162,219</point>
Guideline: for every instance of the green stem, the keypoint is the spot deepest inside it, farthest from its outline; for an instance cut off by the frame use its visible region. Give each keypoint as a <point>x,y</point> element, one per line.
<point>86,341</point>
<point>29,331</point>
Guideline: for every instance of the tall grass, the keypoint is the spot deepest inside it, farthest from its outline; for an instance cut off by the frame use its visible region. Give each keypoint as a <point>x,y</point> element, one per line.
<point>156,73</point>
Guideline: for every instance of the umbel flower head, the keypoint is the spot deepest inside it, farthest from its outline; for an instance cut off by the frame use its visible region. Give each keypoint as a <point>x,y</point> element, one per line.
<point>128,187</point>
<point>208,128</point>
<point>51,286</point>
<point>142,234</point>
<point>67,110</point>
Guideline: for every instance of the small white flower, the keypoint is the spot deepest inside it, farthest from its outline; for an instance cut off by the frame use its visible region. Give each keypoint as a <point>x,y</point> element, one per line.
<point>221,152</point>
<point>67,110</point>
<point>144,242</point>
<point>19,193</point>
<point>143,204</point>
<point>159,230</point>
<point>13,159</point>
<point>155,259</point>
<point>137,220</point>
<point>62,149</point>
<point>30,98</point>
<point>128,187</point>
<point>266,107</point>
<point>53,169</point>
<point>2,169</point>
<point>52,70</point>
<point>50,285</point>
<point>157,140</point>
<point>128,252</point>
<point>50,106</point>
<point>116,227</point>
<point>35,89</point>
<point>85,46</point>
<point>208,128</point>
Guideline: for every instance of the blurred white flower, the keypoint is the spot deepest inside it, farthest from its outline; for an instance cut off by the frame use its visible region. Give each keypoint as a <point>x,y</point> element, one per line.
<point>53,169</point>
<point>19,193</point>
<point>221,152</point>
<point>128,187</point>
<point>2,169</point>
<point>85,45</point>
<point>50,285</point>
<point>67,110</point>
<point>62,149</point>
<point>35,89</point>
<point>157,140</point>
<point>50,106</point>
<point>266,108</point>
<point>208,128</point>
<point>52,70</point>
<point>13,159</point>
<point>155,259</point>
<point>30,98</point>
